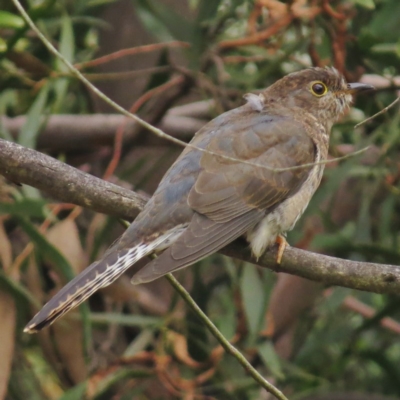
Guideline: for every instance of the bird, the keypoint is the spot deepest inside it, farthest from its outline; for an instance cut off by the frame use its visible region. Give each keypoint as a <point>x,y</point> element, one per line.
<point>249,172</point>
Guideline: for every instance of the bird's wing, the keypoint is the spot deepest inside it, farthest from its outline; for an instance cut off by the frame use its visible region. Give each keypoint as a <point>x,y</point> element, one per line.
<point>230,196</point>
<point>225,188</point>
<point>201,238</point>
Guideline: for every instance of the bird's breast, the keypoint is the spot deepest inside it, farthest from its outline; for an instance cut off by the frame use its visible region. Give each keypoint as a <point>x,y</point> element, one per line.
<point>284,217</point>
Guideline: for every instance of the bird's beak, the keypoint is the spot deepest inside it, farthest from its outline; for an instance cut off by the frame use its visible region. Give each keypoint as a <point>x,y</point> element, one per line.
<point>354,88</point>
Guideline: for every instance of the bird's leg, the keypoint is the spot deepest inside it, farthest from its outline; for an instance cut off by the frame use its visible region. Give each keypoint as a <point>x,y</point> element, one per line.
<point>282,243</point>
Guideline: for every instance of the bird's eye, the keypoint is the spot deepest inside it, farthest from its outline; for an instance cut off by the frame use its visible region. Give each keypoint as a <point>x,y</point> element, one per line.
<point>319,89</point>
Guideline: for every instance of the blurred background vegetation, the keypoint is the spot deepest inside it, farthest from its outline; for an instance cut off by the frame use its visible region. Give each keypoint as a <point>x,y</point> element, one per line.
<point>184,62</point>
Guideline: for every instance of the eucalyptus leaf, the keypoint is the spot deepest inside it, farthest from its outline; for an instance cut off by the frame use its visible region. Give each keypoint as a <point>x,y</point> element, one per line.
<point>159,17</point>
<point>126,320</point>
<point>9,20</point>
<point>76,392</point>
<point>370,4</point>
<point>253,298</point>
<point>25,207</point>
<point>34,119</point>
<point>270,359</point>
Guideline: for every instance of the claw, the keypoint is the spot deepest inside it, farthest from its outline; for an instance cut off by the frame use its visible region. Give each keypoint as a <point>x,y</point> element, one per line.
<point>282,243</point>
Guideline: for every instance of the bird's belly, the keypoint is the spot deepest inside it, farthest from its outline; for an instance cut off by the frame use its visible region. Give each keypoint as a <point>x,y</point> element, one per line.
<point>284,217</point>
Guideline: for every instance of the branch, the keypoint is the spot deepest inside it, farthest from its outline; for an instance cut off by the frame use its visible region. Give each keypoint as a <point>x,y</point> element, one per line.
<point>370,277</point>
<point>68,184</point>
<point>77,132</point>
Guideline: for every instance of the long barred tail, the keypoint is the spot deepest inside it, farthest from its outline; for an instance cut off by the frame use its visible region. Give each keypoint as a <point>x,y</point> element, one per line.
<point>96,276</point>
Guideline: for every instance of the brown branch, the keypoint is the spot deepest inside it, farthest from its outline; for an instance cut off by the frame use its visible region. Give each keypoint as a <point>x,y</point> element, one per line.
<point>77,132</point>
<point>258,36</point>
<point>129,52</point>
<point>377,278</point>
<point>366,311</point>
<point>68,184</point>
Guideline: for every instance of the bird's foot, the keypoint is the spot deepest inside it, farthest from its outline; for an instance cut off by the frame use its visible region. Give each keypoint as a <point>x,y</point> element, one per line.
<point>282,243</point>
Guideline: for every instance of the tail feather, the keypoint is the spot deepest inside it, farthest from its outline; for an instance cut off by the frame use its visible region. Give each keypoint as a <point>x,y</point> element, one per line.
<point>98,275</point>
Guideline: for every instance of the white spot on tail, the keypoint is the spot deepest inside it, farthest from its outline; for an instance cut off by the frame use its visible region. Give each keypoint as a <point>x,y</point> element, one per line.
<point>134,254</point>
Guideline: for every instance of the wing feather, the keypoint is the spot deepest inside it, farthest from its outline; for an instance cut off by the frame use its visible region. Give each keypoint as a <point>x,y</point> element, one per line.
<point>202,237</point>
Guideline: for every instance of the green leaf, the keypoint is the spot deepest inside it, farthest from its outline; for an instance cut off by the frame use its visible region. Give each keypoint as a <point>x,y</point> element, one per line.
<point>18,291</point>
<point>67,43</point>
<point>97,3</point>
<point>335,300</point>
<point>207,9</point>
<point>196,331</point>
<point>25,207</point>
<point>77,392</point>
<point>385,23</point>
<point>163,22</point>
<point>387,213</point>
<point>226,313</point>
<point>8,20</point>
<point>141,321</point>
<point>385,48</point>
<point>67,49</point>
<point>364,226</point>
<point>270,359</point>
<point>141,341</point>
<point>3,45</point>
<point>47,250</point>
<point>365,3</point>
<point>253,298</point>
<point>30,130</point>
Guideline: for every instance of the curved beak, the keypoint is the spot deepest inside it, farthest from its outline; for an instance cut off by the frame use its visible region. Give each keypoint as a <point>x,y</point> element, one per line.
<point>354,88</point>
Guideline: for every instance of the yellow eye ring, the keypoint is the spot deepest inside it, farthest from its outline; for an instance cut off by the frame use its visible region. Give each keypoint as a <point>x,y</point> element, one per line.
<point>319,89</point>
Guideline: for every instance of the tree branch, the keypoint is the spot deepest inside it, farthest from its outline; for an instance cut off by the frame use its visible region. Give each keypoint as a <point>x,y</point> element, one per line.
<point>72,132</point>
<point>68,184</point>
<point>370,277</point>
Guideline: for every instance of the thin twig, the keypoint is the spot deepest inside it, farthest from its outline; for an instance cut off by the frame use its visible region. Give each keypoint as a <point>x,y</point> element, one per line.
<point>113,76</point>
<point>66,183</point>
<point>352,303</point>
<point>229,348</point>
<point>117,76</point>
<point>378,113</point>
<point>135,107</point>
<point>258,36</point>
<point>145,124</point>
<point>128,52</point>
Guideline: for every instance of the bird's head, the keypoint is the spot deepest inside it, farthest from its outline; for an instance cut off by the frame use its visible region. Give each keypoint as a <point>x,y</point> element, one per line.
<point>323,92</point>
